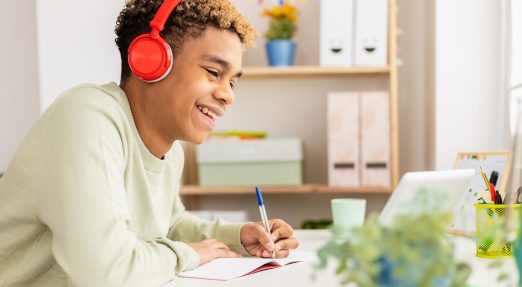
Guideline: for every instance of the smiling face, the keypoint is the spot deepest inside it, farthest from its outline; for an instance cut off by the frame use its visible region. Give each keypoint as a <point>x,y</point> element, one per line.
<point>199,88</point>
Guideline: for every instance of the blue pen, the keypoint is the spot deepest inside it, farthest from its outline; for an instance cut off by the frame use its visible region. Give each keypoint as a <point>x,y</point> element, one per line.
<point>262,210</point>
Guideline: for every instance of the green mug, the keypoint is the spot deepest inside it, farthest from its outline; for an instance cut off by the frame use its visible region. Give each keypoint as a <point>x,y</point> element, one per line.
<point>348,212</point>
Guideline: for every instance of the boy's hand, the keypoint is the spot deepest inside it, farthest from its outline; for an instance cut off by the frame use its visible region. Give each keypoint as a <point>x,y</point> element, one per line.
<point>210,249</point>
<point>258,243</point>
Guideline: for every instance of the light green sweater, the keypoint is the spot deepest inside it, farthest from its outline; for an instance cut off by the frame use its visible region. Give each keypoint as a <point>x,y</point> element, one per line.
<point>84,203</point>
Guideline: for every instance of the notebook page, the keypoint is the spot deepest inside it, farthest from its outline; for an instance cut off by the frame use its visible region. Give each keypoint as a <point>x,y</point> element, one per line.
<point>230,268</point>
<point>296,256</point>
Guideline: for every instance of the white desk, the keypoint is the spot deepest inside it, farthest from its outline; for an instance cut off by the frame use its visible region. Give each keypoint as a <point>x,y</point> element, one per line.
<point>298,274</point>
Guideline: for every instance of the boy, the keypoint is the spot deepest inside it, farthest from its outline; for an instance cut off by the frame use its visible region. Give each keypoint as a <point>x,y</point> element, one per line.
<point>91,198</point>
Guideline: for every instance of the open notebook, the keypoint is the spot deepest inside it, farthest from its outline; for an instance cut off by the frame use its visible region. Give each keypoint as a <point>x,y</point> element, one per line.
<point>231,268</point>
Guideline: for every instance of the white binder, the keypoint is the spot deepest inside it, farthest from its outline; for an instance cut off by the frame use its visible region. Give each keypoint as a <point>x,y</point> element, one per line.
<point>336,33</point>
<point>371,33</point>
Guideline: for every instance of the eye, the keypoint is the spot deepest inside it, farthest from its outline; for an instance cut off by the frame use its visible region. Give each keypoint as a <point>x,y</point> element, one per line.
<point>232,85</point>
<point>213,73</point>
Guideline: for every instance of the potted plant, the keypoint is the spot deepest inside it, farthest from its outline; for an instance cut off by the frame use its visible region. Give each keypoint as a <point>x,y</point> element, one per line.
<point>414,251</point>
<point>281,29</point>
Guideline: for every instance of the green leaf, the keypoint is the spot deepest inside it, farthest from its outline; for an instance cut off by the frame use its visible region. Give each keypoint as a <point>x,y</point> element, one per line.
<point>280,29</point>
<point>413,237</point>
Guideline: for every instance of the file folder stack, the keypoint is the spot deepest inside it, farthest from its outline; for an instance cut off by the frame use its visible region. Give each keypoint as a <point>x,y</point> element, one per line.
<point>359,139</point>
<point>354,33</point>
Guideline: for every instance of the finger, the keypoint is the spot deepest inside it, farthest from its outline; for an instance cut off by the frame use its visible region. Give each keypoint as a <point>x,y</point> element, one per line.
<point>263,238</point>
<point>276,223</point>
<point>266,254</point>
<point>289,243</point>
<point>282,230</point>
<point>282,253</point>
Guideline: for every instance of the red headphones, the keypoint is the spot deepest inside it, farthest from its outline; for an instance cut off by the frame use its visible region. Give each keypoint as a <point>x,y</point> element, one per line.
<point>150,56</point>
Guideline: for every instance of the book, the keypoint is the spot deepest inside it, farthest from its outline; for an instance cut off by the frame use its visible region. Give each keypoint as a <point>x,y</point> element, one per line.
<point>231,268</point>
<point>242,135</point>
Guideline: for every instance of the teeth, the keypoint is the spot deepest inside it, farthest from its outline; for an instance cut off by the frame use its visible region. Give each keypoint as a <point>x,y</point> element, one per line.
<point>207,111</point>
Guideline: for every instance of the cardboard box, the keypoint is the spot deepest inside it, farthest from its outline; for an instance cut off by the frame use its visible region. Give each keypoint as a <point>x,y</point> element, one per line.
<point>250,162</point>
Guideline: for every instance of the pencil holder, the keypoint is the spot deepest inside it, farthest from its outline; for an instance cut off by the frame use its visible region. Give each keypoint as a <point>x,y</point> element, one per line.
<point>493,223</point>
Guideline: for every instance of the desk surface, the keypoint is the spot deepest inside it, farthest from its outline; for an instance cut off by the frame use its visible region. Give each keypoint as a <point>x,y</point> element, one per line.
<point>299,274</point>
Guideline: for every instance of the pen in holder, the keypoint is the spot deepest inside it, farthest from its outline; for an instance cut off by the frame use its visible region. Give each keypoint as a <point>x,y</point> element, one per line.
<point>494,221</point>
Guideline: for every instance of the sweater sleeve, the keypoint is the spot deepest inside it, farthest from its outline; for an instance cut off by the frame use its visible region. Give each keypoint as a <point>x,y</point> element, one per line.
<point>82,199</point>
<point>187,227</point>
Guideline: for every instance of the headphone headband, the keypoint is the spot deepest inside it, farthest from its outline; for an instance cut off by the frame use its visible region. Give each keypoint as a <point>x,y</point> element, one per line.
<point>158,23</point>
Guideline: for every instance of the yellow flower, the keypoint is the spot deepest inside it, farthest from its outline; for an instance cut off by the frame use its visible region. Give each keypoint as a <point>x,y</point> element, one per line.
<point>287,11</point>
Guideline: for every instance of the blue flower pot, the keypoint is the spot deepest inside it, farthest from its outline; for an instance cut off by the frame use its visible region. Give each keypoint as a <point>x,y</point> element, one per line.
<point>386,279</point>
<point>280,52</point>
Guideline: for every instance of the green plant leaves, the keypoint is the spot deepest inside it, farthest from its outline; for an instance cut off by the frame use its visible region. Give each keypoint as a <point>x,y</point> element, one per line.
<point>414,251</point>
<point>280,28</point>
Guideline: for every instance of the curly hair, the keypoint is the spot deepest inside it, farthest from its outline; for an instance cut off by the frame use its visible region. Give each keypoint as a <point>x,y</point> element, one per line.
<point>189,19</point>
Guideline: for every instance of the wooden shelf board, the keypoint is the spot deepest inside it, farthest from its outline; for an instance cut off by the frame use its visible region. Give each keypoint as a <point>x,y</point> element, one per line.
<point>269,189</point>
<point>365,189</point>
<point>313,71</point>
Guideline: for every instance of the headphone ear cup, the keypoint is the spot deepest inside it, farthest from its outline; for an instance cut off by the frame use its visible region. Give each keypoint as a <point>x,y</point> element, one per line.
<point>150,58</point>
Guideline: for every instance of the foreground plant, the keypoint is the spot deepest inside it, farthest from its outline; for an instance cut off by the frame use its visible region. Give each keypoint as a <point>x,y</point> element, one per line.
<point>414,251</point>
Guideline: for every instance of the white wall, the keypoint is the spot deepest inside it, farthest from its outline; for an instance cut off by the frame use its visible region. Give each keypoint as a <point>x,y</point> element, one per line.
<point>516,49</point>
<point>467,78</point>
<point>76,44</point>
<point>413,118</point>
<point>19,103</point>
<point>47,47</point>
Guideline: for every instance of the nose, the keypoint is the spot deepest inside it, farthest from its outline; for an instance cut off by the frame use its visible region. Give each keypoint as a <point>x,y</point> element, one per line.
<point>224,94</point>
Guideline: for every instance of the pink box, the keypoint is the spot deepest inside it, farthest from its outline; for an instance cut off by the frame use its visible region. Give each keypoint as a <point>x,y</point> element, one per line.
<point>343,138</point>
<point>375,139</point>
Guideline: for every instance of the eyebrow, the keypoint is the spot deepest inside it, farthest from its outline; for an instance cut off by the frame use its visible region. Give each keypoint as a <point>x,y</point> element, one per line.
<point>222,62</point>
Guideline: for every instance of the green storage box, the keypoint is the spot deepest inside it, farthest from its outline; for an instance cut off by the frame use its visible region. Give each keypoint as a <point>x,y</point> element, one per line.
<point>250,162</point>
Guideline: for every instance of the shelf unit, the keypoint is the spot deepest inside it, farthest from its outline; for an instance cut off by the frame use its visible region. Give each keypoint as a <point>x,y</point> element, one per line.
<point>192,191</point>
